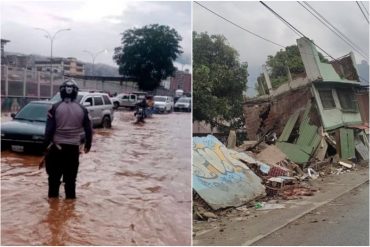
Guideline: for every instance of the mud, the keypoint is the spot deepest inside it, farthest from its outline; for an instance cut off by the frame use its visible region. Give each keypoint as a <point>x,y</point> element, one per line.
<point>133,188</point>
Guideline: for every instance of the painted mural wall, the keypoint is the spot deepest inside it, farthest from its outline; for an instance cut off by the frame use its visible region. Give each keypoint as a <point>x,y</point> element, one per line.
<point>219,177</point>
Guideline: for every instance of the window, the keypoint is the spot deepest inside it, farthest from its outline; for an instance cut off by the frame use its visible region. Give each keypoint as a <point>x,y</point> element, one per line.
<point>132,97</point>
<point>89,100</point>
<point>347,99</point>
<point>98,100</point>
<point>125,97</point>
<point>326,97</point>
<point>106,100</point>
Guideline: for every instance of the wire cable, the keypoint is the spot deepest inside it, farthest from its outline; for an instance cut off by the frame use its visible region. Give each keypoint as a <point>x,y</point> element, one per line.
<point>362,12</point>
<point>367,12</point>
<point>238,25</point>
<point>281,18</point>
<point>290,25</point>
<point>337,32</point>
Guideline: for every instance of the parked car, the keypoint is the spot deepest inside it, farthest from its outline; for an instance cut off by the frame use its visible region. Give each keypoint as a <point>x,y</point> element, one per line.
<point>163,104</point>
<point>99,105</point>
<point>26,131</point>
<point>183,104</point>
<point>128,99</point>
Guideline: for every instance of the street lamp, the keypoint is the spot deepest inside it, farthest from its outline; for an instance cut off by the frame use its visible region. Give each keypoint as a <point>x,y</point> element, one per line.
<point>51,53</point>
<point>93,56</point>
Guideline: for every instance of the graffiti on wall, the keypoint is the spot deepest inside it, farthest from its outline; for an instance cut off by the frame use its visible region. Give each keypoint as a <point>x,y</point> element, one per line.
<point>219,176</point>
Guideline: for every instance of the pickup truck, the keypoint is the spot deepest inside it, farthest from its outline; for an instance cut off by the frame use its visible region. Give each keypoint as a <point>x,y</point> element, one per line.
<point>128,100</point>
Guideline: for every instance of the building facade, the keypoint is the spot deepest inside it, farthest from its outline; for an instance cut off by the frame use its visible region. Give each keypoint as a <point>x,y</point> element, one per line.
<point>181,80</point>
<point>67,66</point>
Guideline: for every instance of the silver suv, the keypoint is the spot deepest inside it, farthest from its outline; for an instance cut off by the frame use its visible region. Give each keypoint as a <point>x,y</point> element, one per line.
<point>99,106</point>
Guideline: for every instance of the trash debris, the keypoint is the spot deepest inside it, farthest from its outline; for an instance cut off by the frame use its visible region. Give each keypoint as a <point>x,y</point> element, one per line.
<point>312,173</point>
<point>269,206</point>
<point>259,205</point>
<point>276,171</point>
<point>345,164</point>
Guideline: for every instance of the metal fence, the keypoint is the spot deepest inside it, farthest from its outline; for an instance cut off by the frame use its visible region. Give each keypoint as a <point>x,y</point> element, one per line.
<point>20,86</point>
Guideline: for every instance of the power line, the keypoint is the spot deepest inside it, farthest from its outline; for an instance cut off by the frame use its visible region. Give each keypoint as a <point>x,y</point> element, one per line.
<point>362,12</point>
<point>238,25</point>
<point>367,12</point>
<point>290,25</point>
<point>337,32</point>
<point>283,20</point>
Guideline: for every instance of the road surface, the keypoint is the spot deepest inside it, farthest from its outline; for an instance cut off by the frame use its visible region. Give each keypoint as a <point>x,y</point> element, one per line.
<point>133,188</point>
<point>344,221</point>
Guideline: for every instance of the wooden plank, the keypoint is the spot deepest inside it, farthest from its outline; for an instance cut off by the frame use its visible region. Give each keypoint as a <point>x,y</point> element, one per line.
<point>289,127</point>
<point>347,145</point>
<point>321,150</point>
<point>294,152</point>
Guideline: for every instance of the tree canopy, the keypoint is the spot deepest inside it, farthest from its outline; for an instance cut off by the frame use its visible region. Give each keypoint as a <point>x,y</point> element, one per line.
<point>218,82</point>
<point>278,65</point>
<point>147,54</point>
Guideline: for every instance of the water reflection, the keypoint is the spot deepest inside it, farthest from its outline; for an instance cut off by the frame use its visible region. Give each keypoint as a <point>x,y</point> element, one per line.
<point>60,214</point>
<point>133,188</point>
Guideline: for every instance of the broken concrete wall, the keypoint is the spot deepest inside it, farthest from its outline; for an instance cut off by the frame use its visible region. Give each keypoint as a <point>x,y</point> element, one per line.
<point>282,107</point>
<point>346,67</point>
<point>316,70</point>
<point>219,177</point>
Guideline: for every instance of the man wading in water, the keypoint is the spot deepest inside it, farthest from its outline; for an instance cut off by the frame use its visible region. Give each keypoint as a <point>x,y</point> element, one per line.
<point>66,123</point>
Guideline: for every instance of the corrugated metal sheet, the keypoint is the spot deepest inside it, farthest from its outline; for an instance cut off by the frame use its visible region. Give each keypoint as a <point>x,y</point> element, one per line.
<point>219,177</point>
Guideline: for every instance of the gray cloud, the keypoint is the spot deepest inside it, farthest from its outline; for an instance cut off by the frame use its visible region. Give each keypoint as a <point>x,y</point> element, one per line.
<point>94,26</point>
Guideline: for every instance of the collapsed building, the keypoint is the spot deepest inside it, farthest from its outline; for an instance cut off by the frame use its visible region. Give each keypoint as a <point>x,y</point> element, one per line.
<point>320,115</point>
<point>318,119</point>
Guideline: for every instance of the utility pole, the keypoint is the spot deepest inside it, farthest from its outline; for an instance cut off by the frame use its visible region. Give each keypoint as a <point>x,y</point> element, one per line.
<point>51,38</point>
<point>93,57</point>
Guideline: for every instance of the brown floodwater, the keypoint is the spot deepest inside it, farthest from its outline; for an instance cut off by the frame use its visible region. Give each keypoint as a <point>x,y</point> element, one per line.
<point>133,188</point>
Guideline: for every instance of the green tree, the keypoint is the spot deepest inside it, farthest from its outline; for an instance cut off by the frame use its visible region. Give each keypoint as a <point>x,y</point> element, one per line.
<point>147,54</point>
<point>218,82</point>
<point>278,65</point>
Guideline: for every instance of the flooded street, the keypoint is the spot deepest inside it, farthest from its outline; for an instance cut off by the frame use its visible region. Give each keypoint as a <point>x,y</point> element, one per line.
<point>133,188</point>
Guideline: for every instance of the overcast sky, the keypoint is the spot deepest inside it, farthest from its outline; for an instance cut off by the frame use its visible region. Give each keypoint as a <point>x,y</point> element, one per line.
<point>95,26</point>
<point>253,16</point>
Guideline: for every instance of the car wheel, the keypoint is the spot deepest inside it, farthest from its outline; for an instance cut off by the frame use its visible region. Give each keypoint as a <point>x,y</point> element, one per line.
<point>116,105</point>
<point>106,123</point>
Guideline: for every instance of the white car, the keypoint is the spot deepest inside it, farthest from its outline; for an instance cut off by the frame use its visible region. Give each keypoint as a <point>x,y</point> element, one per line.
<point>183,104</point>
<point>163,103</point>
<point>99,106</point>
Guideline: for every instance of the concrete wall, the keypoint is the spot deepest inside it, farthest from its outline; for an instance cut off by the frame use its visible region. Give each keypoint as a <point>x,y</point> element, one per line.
<point>282,107</point>
<point>336,117</point>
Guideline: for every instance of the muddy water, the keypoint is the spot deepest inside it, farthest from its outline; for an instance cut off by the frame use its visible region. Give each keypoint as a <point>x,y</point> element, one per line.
<point>133,188</point>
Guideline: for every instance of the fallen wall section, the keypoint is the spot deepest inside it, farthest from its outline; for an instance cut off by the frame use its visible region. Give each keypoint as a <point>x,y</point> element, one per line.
<point>219,177</point>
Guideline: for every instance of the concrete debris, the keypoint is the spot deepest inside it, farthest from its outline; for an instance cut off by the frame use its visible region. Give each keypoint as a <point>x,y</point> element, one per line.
<point>231,140</point>
<point>345,164</point>
<point>271,155</point>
